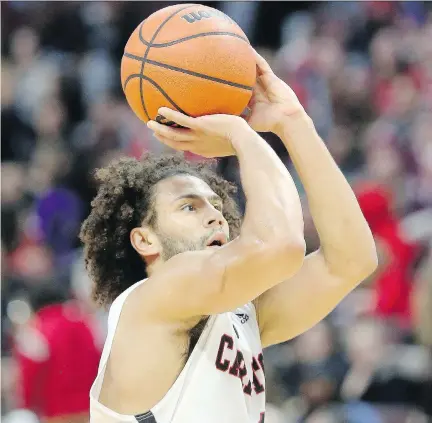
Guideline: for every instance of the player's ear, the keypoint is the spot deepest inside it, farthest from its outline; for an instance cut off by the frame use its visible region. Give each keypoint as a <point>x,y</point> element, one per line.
<point>145,242</point>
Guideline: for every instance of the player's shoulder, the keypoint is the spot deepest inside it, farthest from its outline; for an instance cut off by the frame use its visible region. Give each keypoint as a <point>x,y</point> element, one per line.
<point>174,277</point>
<point>121,298</point>
<point>118,303</point>
<point>181,265</point>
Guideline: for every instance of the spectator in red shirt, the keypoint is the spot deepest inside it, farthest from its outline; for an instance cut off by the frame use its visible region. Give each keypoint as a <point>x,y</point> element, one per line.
<point>57,358</point>
<point>394,278</point>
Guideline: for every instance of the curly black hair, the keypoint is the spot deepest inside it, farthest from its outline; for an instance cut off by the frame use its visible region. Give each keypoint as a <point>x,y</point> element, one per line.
<point>123,202</point>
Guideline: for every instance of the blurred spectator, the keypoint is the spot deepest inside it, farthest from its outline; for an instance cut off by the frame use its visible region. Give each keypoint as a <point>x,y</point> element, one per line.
<point>317,371</point>
<point>54,379</point>
<point>381,373</point>
<point>393,280</point>
<point>37,75</point>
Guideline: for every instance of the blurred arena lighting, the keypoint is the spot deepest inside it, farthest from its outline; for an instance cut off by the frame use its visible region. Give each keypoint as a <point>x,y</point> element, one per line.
<point>18,311</point>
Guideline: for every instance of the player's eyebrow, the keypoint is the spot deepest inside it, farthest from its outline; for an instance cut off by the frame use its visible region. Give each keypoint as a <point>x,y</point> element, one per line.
<point>213,197</point>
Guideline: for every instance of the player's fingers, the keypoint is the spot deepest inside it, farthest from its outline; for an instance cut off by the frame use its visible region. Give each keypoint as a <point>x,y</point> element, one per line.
<point>263,66</point>
<point>174,134</point>
<point>177,145</point>
<point>177,117</point>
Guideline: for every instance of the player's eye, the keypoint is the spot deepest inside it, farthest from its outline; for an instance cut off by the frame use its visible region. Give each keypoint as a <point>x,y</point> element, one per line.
<point>188,207</point>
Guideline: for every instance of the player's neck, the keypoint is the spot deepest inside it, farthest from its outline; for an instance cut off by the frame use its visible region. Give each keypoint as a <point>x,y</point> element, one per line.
<point>153,264</point>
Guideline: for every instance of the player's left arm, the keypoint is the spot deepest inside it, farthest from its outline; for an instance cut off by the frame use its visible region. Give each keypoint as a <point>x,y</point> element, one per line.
<point>347,254</point>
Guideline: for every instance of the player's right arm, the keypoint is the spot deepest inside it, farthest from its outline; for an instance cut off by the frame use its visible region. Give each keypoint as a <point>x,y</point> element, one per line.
<point>271,245</point>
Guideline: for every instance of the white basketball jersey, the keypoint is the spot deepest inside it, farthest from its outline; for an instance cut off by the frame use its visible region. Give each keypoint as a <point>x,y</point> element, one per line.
<point>222,381</point>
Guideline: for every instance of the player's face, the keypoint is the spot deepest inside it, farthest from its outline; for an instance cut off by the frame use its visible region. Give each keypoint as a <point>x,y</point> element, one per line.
<point>189,216</point>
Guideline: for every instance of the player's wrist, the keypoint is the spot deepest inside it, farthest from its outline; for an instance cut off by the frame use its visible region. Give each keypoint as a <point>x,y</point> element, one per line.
<point>293,125</point>
<point>241,137</point>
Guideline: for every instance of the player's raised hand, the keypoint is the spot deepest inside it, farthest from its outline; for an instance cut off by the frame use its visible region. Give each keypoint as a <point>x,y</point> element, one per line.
<point>207,136</point>
<point>272,100</point>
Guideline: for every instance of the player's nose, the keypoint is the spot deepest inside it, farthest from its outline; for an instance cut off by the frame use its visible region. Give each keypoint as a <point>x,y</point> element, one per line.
<point>214,219</point>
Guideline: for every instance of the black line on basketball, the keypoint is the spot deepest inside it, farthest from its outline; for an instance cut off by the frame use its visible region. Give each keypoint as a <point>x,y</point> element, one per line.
<point>156,85</point>
<point>188,72</point>
<point>148,49</point>
<point>191,37</point>
<point>164,121</point>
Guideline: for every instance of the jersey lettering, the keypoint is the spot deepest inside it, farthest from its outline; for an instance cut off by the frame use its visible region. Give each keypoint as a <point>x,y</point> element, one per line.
<point>226,340</point>
<point>256,383</point>
<point>237,367</point>
<point>239,361</point>
<point>261,361</point>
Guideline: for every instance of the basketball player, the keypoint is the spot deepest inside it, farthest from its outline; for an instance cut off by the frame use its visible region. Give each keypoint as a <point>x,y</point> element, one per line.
<point>195,298</point>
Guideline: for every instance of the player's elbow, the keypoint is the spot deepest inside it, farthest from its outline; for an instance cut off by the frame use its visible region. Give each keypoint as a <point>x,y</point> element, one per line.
<point>368,263</point>
<point>358,267</point>
<point>291,254</point>
<point>366,259</point>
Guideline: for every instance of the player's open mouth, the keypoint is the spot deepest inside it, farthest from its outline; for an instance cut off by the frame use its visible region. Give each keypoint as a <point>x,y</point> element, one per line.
<point>217,240</point>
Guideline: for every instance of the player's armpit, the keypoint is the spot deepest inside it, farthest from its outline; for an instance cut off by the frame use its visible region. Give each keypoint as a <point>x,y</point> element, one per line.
<point>298,303</point>
<point>199,283</point>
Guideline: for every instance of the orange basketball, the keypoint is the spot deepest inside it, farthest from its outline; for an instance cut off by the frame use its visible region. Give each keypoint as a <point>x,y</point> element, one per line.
<point>189,57</point>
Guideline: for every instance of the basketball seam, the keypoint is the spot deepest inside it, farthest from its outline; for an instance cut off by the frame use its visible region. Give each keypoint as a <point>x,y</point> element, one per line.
<point>188,72</point>
<point>158,87</point>
<point>148,49</point>
<point>181,40</point>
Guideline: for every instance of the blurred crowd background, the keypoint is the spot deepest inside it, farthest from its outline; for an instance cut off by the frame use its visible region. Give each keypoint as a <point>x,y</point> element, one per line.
<point>363,70</point>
